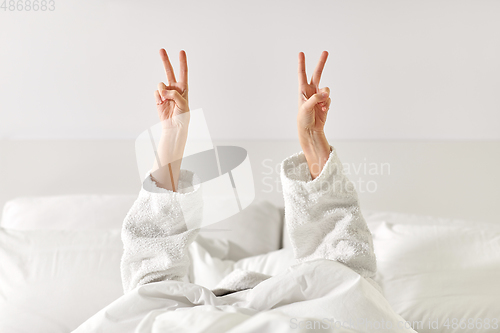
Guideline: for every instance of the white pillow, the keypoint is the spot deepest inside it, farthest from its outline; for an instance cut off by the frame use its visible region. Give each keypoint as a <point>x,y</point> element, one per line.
<point>440,272</point>
<point>271,263</point>
<point>53,280</point>
<point>375,218</point>
<point>69,212</point>
<point>255,230</point>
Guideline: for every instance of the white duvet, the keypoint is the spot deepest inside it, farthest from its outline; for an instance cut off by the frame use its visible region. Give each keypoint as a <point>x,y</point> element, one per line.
<point>321,294</point>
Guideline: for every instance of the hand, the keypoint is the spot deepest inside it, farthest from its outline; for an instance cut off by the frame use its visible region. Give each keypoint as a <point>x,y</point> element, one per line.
<point>172,100</point>
<point>173,111</point>
<point>314,104</point>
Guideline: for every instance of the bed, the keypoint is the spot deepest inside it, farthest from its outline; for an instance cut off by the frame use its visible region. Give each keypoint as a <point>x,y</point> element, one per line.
<point>60,245</point>
<point>60,266</point>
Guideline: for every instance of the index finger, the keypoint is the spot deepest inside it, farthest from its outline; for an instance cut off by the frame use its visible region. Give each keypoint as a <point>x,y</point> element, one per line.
<point>302,70</point>
<point>319,69</point>
<point>168,67</point>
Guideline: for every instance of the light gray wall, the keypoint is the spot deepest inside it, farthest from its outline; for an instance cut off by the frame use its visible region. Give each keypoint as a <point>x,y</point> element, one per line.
<point>398,69</point>
<point>447,179</point>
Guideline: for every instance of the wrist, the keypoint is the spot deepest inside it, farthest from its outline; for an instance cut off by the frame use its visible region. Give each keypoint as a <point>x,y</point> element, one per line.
<point>314,142</point>
<point>316,150</point>
<point>170,150</point>
<point>173,141</point>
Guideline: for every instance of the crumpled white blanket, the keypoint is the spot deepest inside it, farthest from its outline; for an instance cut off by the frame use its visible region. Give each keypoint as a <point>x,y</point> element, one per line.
<point>322,294</point>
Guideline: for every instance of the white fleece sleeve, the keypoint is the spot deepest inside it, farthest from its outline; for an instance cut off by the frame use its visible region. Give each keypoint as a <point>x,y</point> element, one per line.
<point>155,233</point>
<point>323,215</point>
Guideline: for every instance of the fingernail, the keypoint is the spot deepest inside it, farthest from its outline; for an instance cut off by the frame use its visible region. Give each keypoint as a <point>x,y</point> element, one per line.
<point>324,94</point>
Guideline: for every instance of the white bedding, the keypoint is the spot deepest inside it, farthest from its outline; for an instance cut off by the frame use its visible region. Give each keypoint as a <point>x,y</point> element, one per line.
<point>431,269</point>
<point>321,291</point>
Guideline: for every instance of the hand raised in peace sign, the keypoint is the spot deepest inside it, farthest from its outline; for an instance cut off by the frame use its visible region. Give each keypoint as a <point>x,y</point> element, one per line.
<point>311,118</point>
<point>313,102</point>
<point>172,99</point>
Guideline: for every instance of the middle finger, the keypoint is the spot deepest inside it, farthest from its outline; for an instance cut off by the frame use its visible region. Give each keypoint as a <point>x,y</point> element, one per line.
<point>169,71</point>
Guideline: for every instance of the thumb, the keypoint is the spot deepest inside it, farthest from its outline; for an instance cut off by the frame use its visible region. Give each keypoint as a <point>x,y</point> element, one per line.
<point>177,98</point>
<point>315,99</point>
